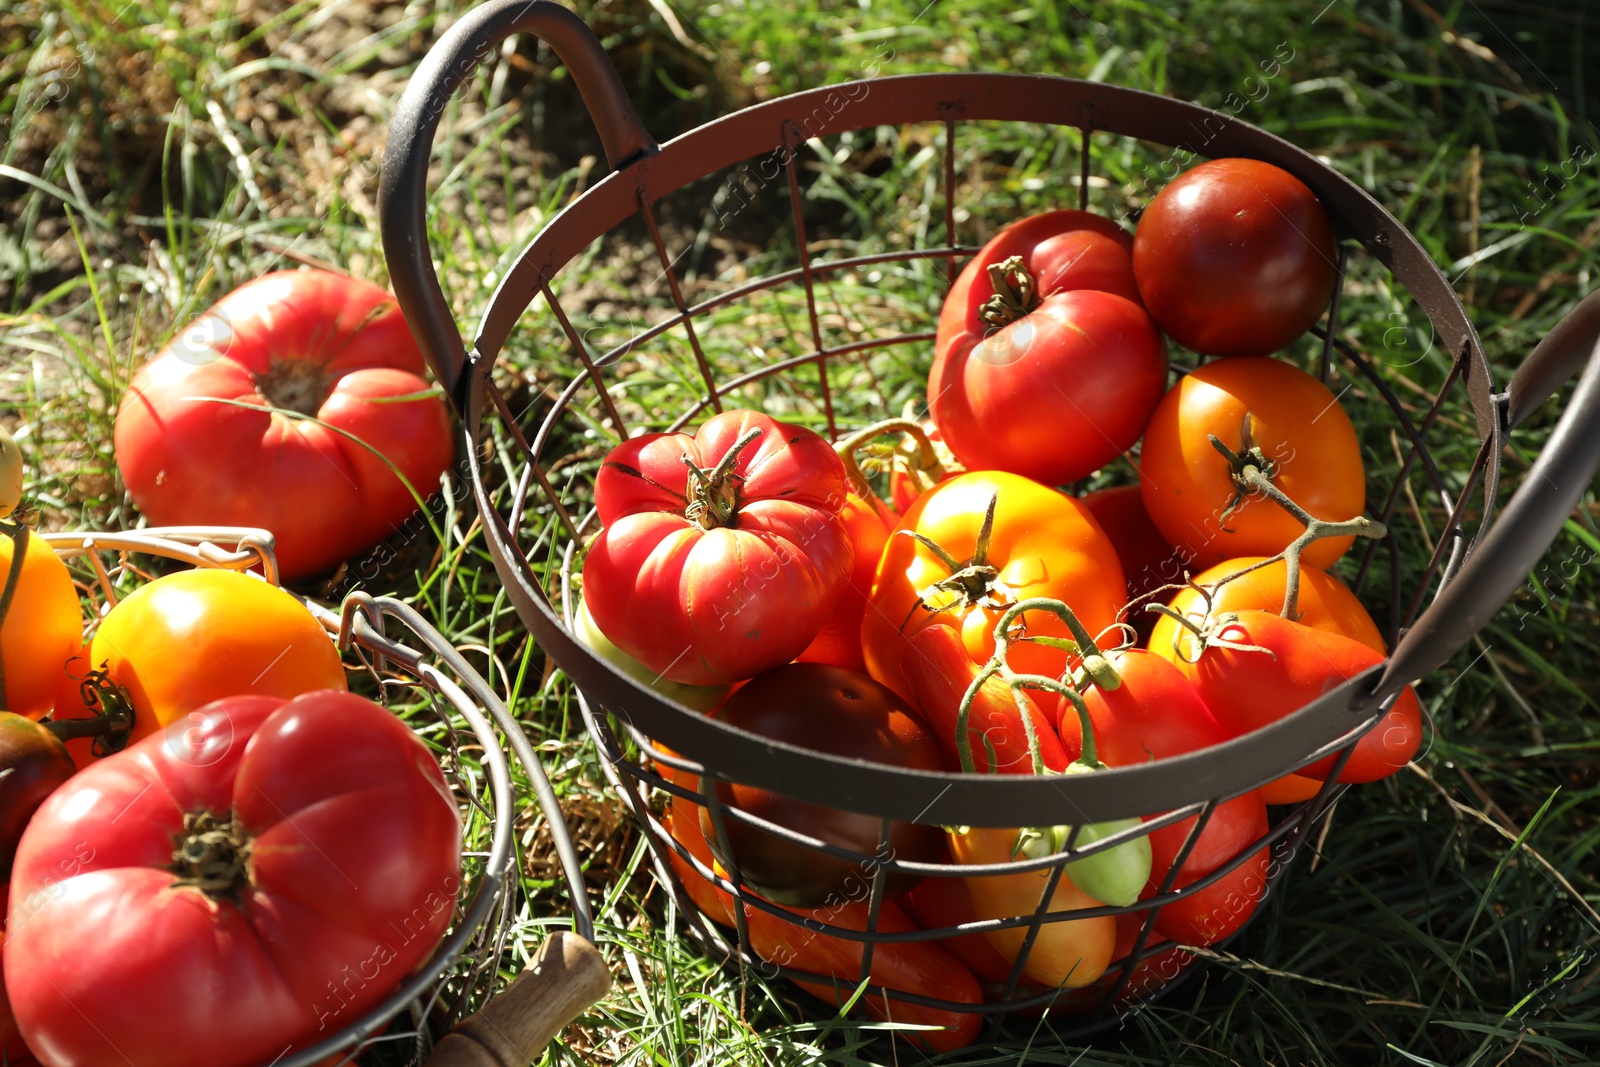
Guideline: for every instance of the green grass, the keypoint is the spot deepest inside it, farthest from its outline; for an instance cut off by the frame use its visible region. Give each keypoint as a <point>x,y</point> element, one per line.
<point>160,155</point>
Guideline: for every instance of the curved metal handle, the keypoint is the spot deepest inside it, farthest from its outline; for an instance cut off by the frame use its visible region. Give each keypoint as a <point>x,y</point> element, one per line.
<point>402,193</point>
<point>1536,513</point>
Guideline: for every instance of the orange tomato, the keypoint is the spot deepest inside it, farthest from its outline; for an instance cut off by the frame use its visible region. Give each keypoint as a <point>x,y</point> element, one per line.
<point>1325,603</point>
<point>196,636</point>
<point>42,626</point>
<point>1070,953</point>
<point>1299,427</point>
<point>1043,544</point>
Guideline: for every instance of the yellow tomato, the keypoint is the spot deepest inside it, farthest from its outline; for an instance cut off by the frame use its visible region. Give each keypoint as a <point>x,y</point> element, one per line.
<point>42,626</point>
<point>196,636</point>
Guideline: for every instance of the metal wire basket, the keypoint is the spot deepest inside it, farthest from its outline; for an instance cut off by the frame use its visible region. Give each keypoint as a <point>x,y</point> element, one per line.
<point>1432,613</point>
<point>461,719</point>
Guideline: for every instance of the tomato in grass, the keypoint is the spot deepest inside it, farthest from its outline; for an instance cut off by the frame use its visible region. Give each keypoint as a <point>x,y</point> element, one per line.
<point>841,713</point>
<point>195,636</point>
<point>1298,435</point>
<point>1235,257</point>
<point>722,553</point>
<point>197,894</point>
<point>1219,909</point>
<point>1270,667</point>
<point>1044,362</point>
<point>1040,543</point>
<point>42,624</point>
<point>198,441</point>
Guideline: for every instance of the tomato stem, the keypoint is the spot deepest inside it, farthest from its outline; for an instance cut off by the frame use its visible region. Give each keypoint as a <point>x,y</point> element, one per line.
<point>212,854</point>
<point>111,727</point>
<point>997,665</point>
<point>973,581</point>
<point>1015,293</point>
<point>1252,474</point>
<point>927,465</point>
<point>716,498</point>
<point>18,532</point>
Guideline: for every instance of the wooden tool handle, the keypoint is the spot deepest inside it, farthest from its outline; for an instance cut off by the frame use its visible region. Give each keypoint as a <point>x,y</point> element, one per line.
<point>567,976</point>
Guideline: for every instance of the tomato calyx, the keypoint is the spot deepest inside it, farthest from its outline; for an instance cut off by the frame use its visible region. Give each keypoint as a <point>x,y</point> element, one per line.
<point>716,490</point>
<point>1207,631</point>
<point>1252,474</point>
<point>298,385</point>
<point>1015,293</point>
<point>972,583</point>
<point>212,855</point>
<point>111,728</point>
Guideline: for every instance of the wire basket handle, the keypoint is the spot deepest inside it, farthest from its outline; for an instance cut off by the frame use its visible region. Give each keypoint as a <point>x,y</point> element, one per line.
<point>402,193</point>
<point>1544,500</point>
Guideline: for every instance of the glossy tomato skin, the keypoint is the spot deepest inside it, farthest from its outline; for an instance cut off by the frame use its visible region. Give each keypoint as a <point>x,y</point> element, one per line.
<point>838,642</point>
<point>323,344</point>
<point>1043,543</point>
<point>831,710</point>
<point>1324,603</point>
<point>1148,560</point>
<point>1247,690</point>
<point>941,671</point>
<point>12,1050</point>
<point>41,628</point>
<point>1062,390</point>
<point>714,606</point>
<point>1235,258</point>
<point>33,764</point>
<point>1155,714</point>
<point>920,967</point>
<point>191,637</point>
<point>1298,425</point>
<point>351,876</point>
<point>1219,909</point>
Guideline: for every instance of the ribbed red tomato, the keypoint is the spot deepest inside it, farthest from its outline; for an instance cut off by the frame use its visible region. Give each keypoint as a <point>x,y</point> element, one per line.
<point>314,343</point>
<point>240,885</point>
<point>1045,364</point>
<point>722,553</point>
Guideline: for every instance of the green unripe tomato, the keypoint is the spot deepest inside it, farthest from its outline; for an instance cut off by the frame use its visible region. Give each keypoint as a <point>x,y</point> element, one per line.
<point>1113,876</point>
<point>697,697</point>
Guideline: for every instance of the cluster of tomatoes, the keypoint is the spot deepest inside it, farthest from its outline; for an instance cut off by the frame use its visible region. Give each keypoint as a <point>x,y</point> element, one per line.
<point>208,848</point>
<point>987,622</point>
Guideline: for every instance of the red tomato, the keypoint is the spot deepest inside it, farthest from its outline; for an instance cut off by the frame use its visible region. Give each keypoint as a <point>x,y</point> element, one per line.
<point>869,521</point>
<point>1211,914</point>
<point>841,713</point>
<point>1156,714</point>
<point>1248,689</point>
<point>712,578</point>
<point>1300,430</point>
<point>322,866</point>
<point>12,1050</point>
<point>1148,560</point>
<point>1059,377</point>
<point>1235,258</point>
<point>920,967</point>
<point>940,672</point>
<point>312,342</point>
